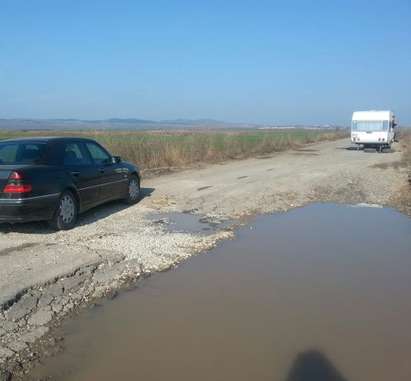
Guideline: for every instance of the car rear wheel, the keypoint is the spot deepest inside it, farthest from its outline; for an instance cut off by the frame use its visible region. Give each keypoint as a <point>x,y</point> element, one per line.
<point>66,214</point>
<point>134,191</point>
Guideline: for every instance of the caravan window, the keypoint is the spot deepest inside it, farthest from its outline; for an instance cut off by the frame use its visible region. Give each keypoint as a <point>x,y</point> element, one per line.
<point>369,126</point>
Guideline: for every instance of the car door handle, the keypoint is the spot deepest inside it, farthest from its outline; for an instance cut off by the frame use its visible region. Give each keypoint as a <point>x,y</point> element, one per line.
<point>101,170</point>
<point>75,174</point>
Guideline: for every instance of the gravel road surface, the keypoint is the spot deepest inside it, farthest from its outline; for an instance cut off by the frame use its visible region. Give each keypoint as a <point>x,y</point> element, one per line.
<point>46,275</point>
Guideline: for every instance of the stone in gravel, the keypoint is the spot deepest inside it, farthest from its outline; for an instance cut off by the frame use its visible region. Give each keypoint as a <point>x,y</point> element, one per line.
<point>45,300</point>
<point>57,307</point>
<point>68,307</point>
<point>7,325</point>
<point>41,317</point>
<point>59,304</point>
<point>33,335</point>
<point>87,272</point>
<point>22,308</point>
<point>5,353</point>
<point>99,292</point>
<point>73,282</point>
<point>17,345</point>
<point>22,323</point>
<point>76,297</point>
<point>55,290</point>
<point>108,273</point>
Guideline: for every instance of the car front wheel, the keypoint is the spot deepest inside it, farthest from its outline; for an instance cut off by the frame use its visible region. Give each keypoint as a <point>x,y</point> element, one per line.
<point>134,191</point>
<point>66,214</point>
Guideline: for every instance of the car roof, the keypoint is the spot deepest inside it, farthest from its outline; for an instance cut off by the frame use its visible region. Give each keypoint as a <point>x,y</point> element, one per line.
<point>46,139</point>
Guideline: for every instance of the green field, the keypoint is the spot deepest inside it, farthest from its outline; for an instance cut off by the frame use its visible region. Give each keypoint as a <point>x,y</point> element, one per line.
<point>162,150</point>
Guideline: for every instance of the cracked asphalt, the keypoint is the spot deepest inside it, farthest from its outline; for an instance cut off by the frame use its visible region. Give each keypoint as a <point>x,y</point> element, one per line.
<point>45,275</point>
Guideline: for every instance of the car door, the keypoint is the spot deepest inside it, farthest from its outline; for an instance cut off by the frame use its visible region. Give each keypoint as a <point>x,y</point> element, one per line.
<point>114,181</point>
<point>84,174</point>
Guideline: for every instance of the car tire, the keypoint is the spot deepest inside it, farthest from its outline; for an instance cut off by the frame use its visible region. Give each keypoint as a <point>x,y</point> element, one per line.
<point>133,191</point>
<point>66,214</point>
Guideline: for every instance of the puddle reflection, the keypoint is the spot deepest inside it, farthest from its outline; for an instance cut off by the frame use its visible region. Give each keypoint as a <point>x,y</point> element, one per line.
<point>333,278</point>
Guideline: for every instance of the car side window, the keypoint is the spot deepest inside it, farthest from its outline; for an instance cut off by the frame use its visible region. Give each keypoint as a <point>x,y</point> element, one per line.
<point>74,155</point>
<point>99,155</point>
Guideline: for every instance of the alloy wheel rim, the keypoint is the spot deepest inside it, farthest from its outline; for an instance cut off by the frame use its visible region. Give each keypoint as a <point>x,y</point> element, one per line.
<point>67,209</point>
<point>133,190</point>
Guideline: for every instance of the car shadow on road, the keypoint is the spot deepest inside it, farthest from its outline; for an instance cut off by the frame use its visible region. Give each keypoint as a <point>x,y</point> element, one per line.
<point>106,210</point>
<point>312,365</point>
<point>89,217</point>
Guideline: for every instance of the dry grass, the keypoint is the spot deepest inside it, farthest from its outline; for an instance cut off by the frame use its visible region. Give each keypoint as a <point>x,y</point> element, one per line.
<point>155,151</point>
<point>406,156</point>
<point>403,201</point>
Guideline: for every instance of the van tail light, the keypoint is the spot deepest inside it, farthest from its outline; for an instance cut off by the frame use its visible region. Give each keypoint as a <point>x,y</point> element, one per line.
<point>15,184</point>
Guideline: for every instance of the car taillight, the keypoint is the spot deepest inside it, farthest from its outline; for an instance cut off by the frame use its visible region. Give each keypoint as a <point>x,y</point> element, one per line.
<point>17,188</point>
<point>15,176</point>
<point>15,184</point>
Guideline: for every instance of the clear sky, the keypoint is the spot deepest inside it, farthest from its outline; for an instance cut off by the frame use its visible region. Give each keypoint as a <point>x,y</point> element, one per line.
<point>253,61</point>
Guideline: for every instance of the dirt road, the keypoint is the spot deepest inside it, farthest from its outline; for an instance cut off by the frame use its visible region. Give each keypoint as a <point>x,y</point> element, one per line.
<point>323,172</point>
<point>45,275</point>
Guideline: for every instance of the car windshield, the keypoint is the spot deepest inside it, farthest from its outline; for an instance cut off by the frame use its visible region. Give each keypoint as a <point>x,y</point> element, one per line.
<point>21,153</point>
<point>369,126</point>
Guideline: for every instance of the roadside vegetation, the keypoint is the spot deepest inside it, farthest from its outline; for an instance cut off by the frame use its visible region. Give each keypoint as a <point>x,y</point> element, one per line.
<point>161,151</point>
<point>403,200</point>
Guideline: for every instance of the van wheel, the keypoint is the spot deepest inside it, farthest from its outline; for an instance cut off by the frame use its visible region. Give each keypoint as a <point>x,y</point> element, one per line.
<point>66,214</point>
<point>134,191</point>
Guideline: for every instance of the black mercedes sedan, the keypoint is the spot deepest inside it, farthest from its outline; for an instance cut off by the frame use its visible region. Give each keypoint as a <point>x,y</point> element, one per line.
<point>57,178</point>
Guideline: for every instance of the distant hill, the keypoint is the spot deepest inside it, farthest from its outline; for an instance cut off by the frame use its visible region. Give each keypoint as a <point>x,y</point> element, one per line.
<point>130,121</point>
<point>193,122</point>
<point>134,124</point>
<point>114,124</point>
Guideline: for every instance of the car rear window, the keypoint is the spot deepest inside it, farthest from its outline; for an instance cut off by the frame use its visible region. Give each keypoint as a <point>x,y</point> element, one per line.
<point>22,153</point>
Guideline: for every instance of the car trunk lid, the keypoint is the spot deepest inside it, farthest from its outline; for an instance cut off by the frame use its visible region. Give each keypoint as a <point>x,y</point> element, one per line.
<point>5,171</point>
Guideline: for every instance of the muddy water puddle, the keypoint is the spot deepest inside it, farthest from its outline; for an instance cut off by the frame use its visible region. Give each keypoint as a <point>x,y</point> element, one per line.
<point>320,293</point>
<point>189,222</point>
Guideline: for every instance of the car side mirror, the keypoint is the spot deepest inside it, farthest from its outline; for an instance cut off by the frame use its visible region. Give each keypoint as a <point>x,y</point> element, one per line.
<point>116,159</point>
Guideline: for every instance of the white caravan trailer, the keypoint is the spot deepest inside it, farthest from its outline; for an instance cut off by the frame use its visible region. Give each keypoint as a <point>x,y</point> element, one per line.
<point>376,129</point>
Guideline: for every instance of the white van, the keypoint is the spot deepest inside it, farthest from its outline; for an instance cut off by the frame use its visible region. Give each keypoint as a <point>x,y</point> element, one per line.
<point>374,129</point>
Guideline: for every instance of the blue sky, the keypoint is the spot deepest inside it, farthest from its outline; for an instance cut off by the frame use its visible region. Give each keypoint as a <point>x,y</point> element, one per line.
<point>252,61</point>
